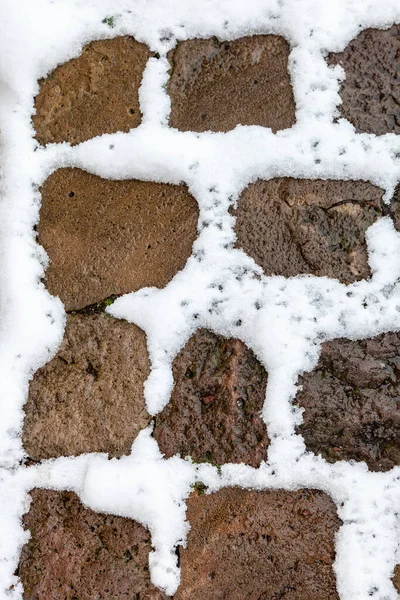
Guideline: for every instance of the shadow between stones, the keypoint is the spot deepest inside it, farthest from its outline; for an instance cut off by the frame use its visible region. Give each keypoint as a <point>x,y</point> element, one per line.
<point>215,86</point>
<point>214,414</point>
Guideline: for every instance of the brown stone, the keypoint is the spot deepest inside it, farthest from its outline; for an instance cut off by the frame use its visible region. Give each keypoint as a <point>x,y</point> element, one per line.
<point>111,237</point>
<point>218,85</point>
<point>396,578</point>
<point>292,226</point>
<point>351,402</point>
<point>89,398</point>
<point>370,92</point>
<point>259,545</point>
<point>214,414</point>
<point>75,553</point>
<point>93,94</point>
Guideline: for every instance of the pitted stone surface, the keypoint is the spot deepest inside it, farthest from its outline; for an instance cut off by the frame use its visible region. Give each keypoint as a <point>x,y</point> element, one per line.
<point>259,545</point>
<point>218,85</point>
<point>294,226</point>
<point>93,94</point>
<point>89,398</point>
<point>75,553</point>
<point>370,92</point>
<point>351,402</point>
<point>111,237</point>
<point>214,414</point>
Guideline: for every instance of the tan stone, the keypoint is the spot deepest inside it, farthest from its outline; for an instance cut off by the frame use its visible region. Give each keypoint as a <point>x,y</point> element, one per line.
<point>293,226</point>
<point>111,237</point>
<point>89,398</point>
<point>218,85</point>
<point>93,94</point>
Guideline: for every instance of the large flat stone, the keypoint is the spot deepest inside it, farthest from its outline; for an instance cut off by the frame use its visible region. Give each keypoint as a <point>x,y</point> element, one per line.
<point>292,226</point>
<point>259,545</point>
<point>214,414</point>
<point>77,554</point>
<point>111,237</point>
<point>218,85</point>
<point>89,398</point>
<point>351,402</point>
<point>370,93</point>
<point>93,94</point>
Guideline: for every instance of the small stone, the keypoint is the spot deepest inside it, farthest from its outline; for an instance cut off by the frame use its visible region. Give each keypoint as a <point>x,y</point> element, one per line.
<point>93,94</point>
<point>108,237</point>
<point>89,397</point>
<point>291,226</point>
<point>215,86</point>
<point>351,402</point>
<point>250,544</point>
<point>75,552</point>
<point>369,93</point>
<point>396,578</point>
<point>214,414</point>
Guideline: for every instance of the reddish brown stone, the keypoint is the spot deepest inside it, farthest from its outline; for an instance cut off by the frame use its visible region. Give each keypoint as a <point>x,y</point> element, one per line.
<point>351,402</point>
<point>89,398</point>
<point>75,553</point>
<point>292,226</point>
<point>370,92</point>
<point>214,414</point>
<point>218,85</point>
<point>396,578</point>
<point>111,237</point>
<point>259,545</point>
<point>93,94</point>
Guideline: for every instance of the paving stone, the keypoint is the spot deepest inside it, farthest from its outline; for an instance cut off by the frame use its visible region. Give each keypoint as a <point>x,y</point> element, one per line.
<point>351,402</point>
<point>75,553</point>
<point>292,226</point>
<point>214,414</point>
<point>259,545</point>
<point>218,85</point>
<point>93,94</point>
<point>89,397</point>
<point>111,237</point>
<point>370,93</point>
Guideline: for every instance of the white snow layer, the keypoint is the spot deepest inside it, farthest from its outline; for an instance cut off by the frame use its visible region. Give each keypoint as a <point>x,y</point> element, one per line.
<point>219,285</point>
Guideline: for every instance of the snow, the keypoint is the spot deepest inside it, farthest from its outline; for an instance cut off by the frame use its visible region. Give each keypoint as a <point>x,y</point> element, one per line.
<point>283,320</point>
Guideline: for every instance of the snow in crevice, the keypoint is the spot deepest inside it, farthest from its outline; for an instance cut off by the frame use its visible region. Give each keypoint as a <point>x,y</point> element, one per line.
<point>284,321</point>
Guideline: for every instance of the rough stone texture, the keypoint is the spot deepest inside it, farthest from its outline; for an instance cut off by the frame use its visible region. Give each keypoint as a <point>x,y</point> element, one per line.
<point>89,398</point>
<point>75,553</point>
<point>259,545</point>
<point>351,402</point>
<point>370,92</point>
<point>294,226</point>
<point>218,85</point>
<point>396,578</point>
<point>93,94</point>
<point>214,414</point>
<point>111,237</point>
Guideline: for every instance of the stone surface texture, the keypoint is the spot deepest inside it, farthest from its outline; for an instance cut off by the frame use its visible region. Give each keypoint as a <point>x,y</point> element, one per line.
<point>294,226</point>
<point>259,545</point>
<point>218,85</point>
<point>351,402</point>
<point>89,397</point>
<point>93,94</point>
<point>111,237</point>
<point>77,554</point>
<point>214,414</point>
<point>370,92</point>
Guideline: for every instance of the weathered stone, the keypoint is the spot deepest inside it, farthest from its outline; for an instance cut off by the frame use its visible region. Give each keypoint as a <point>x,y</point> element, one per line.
<point>214,414</point>
<point>370,92</point>
<point>396,578</point>
<point>111,237</point>
<point>76,553</point>
<point>93,94</point>
<point>292,226</point>
<point>248,544</point>
<point>218,85</point>
<point>89,398</point>
<point>351,402</point>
